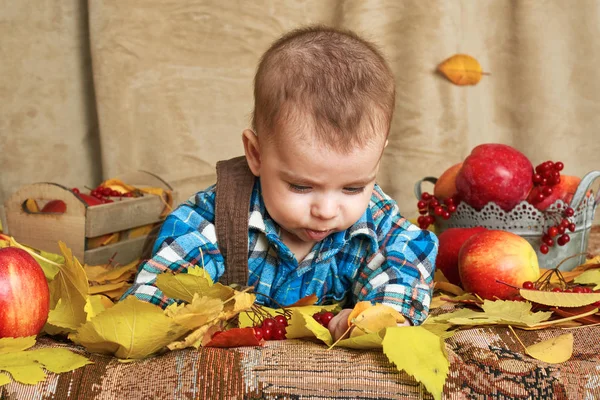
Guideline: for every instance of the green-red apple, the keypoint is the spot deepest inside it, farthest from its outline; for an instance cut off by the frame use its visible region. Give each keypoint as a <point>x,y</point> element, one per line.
<point>24,294</point>
<point>489,258</point>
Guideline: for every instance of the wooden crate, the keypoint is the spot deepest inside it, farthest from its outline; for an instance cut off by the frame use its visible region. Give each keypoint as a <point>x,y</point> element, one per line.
<point>81,222</point>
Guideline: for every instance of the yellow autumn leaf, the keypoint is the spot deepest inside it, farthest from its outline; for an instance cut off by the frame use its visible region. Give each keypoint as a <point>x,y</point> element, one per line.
<point>499,312</point>
<point>589,277</point>
<point>374,319</point>
<point>11,345</point>
<point>68,295</point>
<point>449,287</point>
<point>26,366</point>
<point>198,312</point>
<point>363,342</point>
<point>103,273</point>
<point>107,287</point>
<point>95,304</point>
<point>461,69</point>
<point>318,330</point>
<point>439,329</point>
<point>559,299</point>
<point>49,262</point>
<point>131,328</point>
<point>194,339</point>
<point>199,271</point>
<point>118,185</point>
<point>420,353</point>
<point>183,286</point>
<point>554,350</point>
<point>358,308</point>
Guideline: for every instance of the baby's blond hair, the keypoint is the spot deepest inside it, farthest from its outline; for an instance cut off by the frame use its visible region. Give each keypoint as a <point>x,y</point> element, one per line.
<point>332,79</point>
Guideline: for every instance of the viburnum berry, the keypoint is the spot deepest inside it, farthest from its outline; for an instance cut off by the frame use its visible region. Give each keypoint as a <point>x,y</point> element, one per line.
<point>326,318</point>
<point>258,333</point>
<point>528,285</point>
<point>279,333</point>
<point>269,323</point>
<point>544,249</point>
<point>281,320</point>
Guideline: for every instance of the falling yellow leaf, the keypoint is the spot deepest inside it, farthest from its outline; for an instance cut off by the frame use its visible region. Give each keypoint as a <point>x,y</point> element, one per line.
<point>499,312</point>
<point>461,69</point>
<point>559,299</point>
<point>131,328</point>
<point>420,353</point>
<point>26,366</point>
<point>374,319</point>
<point>589,277</point>
<point>68,295</point>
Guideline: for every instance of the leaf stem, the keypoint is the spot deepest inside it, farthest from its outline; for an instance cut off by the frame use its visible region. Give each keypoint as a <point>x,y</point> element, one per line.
<point>517,336</point>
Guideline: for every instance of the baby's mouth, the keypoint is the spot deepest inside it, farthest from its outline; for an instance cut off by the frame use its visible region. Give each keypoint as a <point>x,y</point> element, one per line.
<point>317,235</point>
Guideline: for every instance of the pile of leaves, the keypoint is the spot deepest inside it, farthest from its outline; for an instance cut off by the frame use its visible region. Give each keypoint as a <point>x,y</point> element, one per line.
<point>84,309</point>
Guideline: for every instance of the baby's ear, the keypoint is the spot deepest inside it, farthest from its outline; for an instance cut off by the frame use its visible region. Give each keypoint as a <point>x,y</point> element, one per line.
<point>252,150</point>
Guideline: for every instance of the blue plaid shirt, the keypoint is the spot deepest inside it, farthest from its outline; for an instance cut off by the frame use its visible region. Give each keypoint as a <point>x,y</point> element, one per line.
<point>381,258</point>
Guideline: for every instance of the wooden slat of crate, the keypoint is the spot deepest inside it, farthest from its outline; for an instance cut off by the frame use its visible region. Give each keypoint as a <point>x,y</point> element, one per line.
<point>124,251</point>
<point>124,214</point>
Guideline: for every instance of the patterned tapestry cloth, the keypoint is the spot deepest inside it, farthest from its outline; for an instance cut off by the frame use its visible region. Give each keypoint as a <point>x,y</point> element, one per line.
<point>485,363</point>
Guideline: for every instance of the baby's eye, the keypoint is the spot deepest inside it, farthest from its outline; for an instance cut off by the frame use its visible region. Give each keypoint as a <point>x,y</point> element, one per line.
<point>299,188</point>
<point>354,190</point>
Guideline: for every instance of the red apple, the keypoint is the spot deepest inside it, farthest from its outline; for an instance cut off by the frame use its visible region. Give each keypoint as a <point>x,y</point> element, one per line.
<point>24,294</point>
<point>564,191</point>
<point>494,173</point>
<point>445,186</point>
<point>492,256</point>
<point>451,240</point>
<point>55,206</point>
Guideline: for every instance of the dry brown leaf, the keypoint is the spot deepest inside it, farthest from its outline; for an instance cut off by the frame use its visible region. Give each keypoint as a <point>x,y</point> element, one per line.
<point>461,69</point>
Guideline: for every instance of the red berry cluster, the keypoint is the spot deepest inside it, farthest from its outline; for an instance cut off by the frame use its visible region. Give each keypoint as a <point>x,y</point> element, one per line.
<point>104,194</point>
<point>272,328</point>
<point>547,174</point>
<point>557,233</point>
<point>430,208</point>
<point>323,318</point>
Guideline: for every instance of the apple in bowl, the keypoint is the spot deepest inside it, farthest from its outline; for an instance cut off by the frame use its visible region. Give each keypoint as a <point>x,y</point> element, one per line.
<point>492,263</point>
<point>494,173</point>
<point>24,294</point>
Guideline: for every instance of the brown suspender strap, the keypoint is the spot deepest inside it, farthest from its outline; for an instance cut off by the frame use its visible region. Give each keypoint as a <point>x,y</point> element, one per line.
<point>234,189</point>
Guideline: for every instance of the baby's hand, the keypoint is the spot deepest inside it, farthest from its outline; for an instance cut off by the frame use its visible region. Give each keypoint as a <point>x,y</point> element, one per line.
<point>339,324</point>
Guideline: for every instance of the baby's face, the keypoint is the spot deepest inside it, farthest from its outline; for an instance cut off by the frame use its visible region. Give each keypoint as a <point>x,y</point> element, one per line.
<point>312,191</point>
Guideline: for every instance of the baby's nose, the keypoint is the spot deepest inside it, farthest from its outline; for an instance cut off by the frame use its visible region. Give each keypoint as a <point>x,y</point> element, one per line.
<point>325,208</point>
